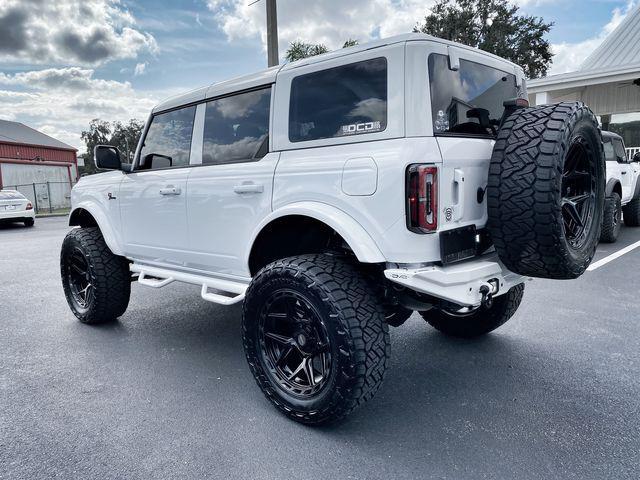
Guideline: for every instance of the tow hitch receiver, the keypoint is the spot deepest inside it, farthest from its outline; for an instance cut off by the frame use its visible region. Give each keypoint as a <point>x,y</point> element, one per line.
<point>488,290</point>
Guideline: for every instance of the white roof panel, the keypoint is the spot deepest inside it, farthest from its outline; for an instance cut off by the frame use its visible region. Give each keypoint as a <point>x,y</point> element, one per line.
<point>621,48</point>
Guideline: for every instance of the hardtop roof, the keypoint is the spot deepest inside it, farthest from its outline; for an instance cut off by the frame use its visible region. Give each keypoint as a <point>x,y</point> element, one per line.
<point>268,76</point>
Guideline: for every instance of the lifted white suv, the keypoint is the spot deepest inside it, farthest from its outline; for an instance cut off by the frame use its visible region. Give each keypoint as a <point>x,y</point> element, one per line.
<point>623,188</point>
<point>336,195</point>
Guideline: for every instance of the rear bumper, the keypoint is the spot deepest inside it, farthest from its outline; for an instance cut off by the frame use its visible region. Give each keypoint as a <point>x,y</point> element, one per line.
<point>459,283</point>
<point>15,215</point>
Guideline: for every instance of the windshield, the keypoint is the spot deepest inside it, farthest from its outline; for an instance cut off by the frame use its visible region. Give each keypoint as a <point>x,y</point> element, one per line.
<point>468,101</point>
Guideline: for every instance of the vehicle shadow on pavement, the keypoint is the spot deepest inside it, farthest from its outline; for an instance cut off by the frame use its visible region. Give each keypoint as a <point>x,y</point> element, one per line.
<point>13,226</point>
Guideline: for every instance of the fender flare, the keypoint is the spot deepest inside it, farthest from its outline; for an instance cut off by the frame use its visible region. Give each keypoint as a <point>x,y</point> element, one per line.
<point>611,185</point>
<point>363,246</point>
<point>110,236</point>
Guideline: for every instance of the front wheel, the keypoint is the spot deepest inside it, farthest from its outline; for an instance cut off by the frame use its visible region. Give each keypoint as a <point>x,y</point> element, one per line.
<point>631,213</point>
<point>473,322</point>
<point>96,282</point>
<point>315,337</point>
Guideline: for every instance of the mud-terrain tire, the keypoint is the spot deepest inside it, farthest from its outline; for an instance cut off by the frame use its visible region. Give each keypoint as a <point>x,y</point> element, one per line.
<point>344,337</point>
<point>611,218</point>
<point>631,213</point>
<point>546,190</point>
<point>96,282</point>
<point>396,315</point>
<point>479,321</point>
<point>29,222</point>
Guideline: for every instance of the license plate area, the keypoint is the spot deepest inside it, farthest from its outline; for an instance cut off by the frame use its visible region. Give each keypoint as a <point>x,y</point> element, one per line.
<point>458,244</point>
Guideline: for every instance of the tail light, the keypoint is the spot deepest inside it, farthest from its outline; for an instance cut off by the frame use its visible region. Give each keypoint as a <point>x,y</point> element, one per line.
<point>29,206</point>
<point>422,198</point>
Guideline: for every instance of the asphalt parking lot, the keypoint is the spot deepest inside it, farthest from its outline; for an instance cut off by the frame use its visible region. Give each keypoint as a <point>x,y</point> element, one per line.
<point>165,392</point>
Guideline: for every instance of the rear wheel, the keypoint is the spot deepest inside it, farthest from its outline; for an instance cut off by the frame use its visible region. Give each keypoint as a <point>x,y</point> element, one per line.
<point>611,219</point>
<point>546,190</point>
<point>96,282</point>
<point>631,213</point>
<point>29,222</point>
<point>315,337</point>
<point>469,322</point>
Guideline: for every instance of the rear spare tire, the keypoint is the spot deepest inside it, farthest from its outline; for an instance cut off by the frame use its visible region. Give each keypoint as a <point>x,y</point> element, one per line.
<point>546,190</point>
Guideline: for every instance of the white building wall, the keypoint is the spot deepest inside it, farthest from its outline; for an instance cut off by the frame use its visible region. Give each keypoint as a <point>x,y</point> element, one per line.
<point>23,177</point>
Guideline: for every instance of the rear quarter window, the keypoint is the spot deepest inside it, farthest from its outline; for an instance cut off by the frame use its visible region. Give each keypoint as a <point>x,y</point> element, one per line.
<point>460,98</point>
<point>337,102</point>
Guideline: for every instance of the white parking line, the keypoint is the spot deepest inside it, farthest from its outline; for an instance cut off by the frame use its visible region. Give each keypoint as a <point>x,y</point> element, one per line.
<point>609,258</point>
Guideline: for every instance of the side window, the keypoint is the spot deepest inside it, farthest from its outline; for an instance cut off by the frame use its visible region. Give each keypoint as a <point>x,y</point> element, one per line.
<point>609,152</point>
<point>168,140</point>
<point>236,129</point>
<point>346,100</point>
<point>621,154</point>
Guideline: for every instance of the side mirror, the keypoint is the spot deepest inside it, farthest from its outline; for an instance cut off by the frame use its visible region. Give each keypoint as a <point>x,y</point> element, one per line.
<point>636,157</point>
<point>107,157</point>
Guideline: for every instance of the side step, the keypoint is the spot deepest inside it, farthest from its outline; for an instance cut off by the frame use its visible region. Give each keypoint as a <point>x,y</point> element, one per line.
<point>161,277</point>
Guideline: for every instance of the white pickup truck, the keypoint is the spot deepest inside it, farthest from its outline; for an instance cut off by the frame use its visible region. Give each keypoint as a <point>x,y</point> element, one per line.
<point>623,188</point>
<point>336,195</point>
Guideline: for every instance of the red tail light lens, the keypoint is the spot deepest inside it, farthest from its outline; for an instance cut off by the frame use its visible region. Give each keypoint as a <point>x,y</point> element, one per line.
<point>29,206</point>
<point>422,198</point>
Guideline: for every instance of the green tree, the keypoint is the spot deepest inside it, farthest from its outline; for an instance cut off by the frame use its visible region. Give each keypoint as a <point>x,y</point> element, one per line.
<point>121,135</point>
<point>494,26</point>
<point>298,49</point>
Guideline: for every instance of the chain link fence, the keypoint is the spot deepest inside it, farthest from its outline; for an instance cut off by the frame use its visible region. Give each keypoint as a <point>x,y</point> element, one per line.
<point>47,197</point>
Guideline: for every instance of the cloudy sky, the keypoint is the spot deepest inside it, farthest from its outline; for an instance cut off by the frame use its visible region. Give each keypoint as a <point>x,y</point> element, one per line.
<point>65,62</point>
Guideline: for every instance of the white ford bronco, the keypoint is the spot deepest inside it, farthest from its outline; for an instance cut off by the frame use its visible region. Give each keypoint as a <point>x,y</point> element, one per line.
<point>623,188</point>
<point>336,195</point>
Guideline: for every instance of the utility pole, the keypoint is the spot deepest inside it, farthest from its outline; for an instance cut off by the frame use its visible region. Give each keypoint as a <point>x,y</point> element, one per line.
<point>272,33</point>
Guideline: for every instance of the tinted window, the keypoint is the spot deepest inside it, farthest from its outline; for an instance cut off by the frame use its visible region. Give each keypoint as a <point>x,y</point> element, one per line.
<point>168,140</point>
<point>341,101</point>
<point>620,151</point>
<point>460,99</point>
<point>609,152</point>
<point>236,128</point>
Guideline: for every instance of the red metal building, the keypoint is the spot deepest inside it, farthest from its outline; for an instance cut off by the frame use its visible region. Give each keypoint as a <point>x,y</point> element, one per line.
<point>38,165</point>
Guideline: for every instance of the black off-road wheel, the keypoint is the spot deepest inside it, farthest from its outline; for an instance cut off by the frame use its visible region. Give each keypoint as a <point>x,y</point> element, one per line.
<point>631,213</point>
<point>96,282</point>
<point>467,322</point>
<point>611,219</point>
<point>315,337</point>
<point>546,190</point>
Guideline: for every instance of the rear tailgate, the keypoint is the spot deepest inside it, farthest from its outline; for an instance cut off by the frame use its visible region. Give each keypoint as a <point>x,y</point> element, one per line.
<point>463,180</point>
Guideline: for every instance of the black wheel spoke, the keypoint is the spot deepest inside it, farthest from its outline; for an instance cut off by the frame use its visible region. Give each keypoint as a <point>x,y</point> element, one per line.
<point>284,353</point>
<point>279,338</point>
<point>308,370</point>
<point>572,214</point>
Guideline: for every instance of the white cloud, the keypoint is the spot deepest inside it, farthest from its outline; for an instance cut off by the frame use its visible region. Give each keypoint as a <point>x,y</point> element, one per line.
<point>61,102</point>
<point>569,56</point>
<point>329,21</point>
<point>86,32</point>
<point>140,69</point>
